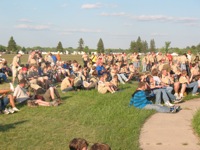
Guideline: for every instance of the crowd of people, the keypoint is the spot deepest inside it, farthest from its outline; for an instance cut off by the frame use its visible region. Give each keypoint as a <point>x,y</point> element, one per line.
<point>164,77</point>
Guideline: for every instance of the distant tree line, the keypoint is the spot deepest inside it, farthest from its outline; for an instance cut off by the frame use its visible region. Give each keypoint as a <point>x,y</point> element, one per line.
<point>139,45</point>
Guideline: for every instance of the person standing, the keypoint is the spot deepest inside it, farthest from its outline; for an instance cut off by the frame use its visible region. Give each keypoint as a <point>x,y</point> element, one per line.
<point>15,64</point>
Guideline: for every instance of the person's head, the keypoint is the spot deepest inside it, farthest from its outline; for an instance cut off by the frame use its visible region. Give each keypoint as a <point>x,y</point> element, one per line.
<point>20,53</point>
<point>142,85</point>
<point>164,72</point>
<point>71,77</point>
<point>100,146</point>
<point>22,82</point>
<point>115,78</point>
<point>154,72</point>
<point>184,73</point>
<point>150,78</point>
<point>24,70</point>
<point>78,144</point>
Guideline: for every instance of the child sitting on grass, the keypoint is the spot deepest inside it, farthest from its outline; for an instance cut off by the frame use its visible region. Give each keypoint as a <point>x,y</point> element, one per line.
<point>139,100</point>
<point>104,86</point>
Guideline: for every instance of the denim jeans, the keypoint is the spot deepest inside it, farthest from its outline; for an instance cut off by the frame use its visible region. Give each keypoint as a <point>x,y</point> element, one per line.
<point>3,103</point>
<point>193,85</point>
<point>160,94</point>
<point>158,108</point>
<point>3,76</point>
<point>144,68</point>
<point>122,77</point>
<point>183,67</point>
<point>169,90</point>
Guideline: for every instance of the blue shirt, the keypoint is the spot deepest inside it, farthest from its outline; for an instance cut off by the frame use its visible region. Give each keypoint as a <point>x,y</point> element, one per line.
<point>139,99</point>
<point>100,69</point>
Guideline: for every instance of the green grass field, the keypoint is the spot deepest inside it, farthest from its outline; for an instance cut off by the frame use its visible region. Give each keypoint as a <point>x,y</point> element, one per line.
<point>196,122</point>
<point>86,114</point>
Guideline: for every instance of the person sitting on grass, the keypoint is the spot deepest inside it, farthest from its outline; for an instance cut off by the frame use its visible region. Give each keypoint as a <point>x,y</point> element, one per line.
<point>139,100</point>
<point>5,99</point>
<point>78,144</point>
<point>21,96</point>
<point>67,84</point>
<point>186,82</point>
<point>104,86</point>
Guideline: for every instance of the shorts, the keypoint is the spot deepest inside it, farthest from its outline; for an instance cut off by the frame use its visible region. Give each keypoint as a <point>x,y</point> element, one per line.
<point>14,71</point>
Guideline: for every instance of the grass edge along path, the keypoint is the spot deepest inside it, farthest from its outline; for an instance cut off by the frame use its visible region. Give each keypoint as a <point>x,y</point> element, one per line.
<point>86,114</point>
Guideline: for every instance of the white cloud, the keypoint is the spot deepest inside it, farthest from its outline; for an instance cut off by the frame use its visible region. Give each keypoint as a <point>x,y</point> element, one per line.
<point>159,18</point>
<point>70,31</point>
<point>114,14</point>
<point>32,27</point>
<point>153,18</point>
<point>25,20</point>
<point>91,6</point>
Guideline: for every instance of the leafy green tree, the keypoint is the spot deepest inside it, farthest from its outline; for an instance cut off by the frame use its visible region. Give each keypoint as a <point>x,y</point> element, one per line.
<point>86,49</point>
<point>100,46</point>
<point>2,48</point>
<point>23,49</point>
<point>133,46</point>
<point>80,45</point>
<point>167,45</point>
<point>144,46</point>
<point>12,46</point>
<point>59,47</point>
<point>152,46</point>
<point>139,45</point>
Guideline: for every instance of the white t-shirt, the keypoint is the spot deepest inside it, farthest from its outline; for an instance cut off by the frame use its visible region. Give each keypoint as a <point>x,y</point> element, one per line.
<point>157,80</point>
<point>20,94</point>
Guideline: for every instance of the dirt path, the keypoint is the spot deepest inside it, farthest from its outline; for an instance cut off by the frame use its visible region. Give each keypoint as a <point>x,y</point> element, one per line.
<point>171,131</point>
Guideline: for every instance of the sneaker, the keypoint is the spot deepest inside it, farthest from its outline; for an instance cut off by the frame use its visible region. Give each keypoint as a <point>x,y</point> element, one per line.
<point>178,108</point>
<point>6,111</point>
<point>195,94</point>
<point>173,110</point>
<point>176,95</point>
<point>168,104</point>
<point>15,109</point>
<point>178,101</point>
<point>11,110</point>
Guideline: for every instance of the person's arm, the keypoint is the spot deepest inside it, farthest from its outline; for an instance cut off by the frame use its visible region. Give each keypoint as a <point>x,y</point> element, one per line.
<point>5,91</point>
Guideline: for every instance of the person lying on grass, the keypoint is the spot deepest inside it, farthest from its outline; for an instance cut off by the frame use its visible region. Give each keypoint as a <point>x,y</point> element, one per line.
<point>21,95</point>
<point>139,100</point>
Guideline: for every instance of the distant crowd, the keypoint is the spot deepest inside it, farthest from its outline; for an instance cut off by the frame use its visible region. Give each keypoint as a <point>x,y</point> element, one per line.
<point>163,78</point>
<point>166,78</point>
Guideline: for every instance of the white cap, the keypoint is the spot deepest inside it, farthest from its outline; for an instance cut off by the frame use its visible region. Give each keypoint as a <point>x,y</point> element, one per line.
<point>20,52</point>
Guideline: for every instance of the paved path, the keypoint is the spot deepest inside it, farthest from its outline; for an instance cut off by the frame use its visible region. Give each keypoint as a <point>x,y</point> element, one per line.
<point>165,131</point>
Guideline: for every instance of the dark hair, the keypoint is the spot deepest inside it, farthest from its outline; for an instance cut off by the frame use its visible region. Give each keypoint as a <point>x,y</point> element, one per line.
<point>78,144</point>
<point>22,81</point>
<point>100,146</point>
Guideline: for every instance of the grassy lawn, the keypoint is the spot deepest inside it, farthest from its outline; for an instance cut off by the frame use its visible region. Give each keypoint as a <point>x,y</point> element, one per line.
<point>196,122</point>
<point>86,114</point>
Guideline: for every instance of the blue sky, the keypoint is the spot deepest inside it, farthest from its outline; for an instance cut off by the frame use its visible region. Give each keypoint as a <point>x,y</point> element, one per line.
<point>46,22</point>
